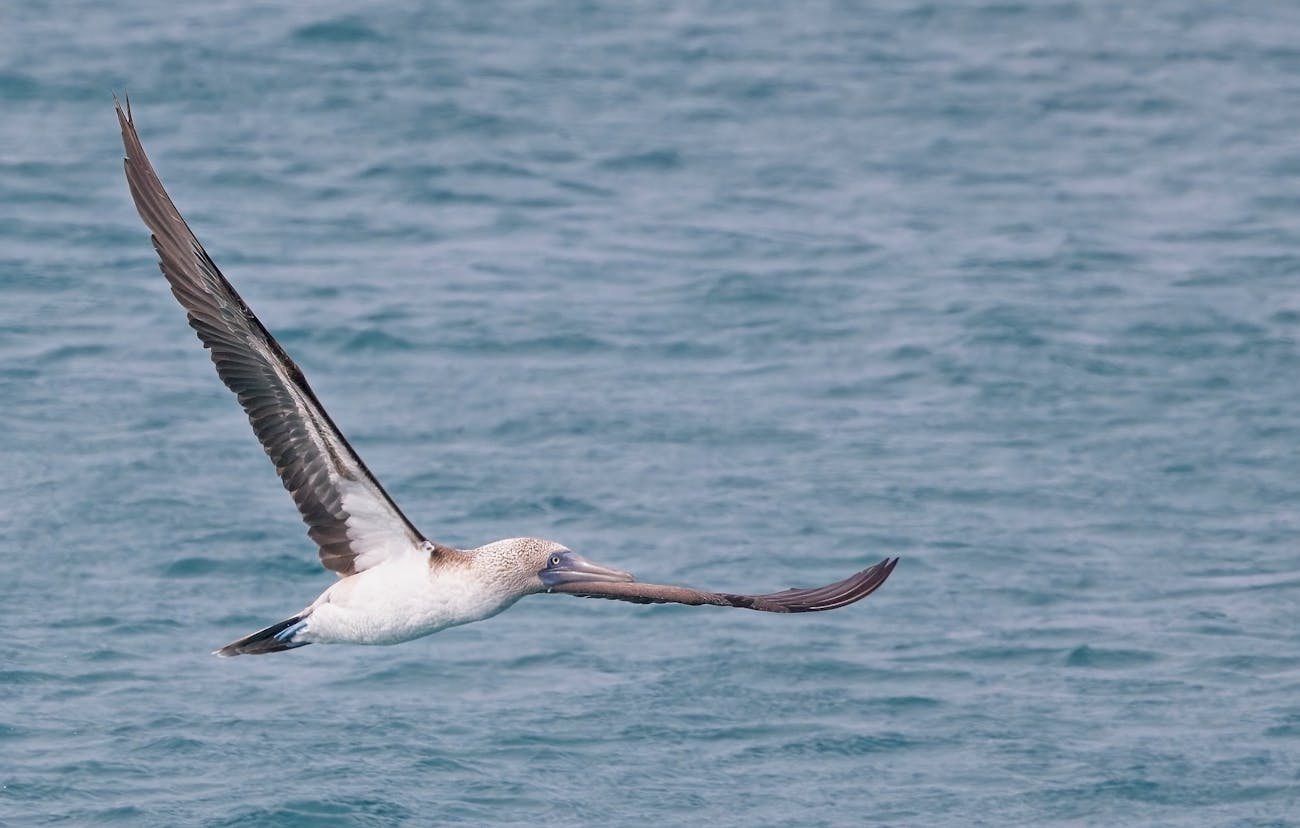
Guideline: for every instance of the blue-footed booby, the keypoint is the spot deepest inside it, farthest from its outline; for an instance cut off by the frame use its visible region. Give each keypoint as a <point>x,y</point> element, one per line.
<point>394,584</point>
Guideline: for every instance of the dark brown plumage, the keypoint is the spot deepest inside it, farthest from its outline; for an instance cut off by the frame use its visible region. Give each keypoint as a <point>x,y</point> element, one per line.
<point>315,462</point>
<point>839,594</point>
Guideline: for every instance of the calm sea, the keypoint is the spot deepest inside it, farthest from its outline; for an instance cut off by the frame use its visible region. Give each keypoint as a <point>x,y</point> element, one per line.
<point>740,295</point>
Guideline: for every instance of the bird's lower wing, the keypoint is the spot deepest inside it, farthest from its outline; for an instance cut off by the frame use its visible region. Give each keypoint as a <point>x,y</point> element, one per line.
<point>832,596</point>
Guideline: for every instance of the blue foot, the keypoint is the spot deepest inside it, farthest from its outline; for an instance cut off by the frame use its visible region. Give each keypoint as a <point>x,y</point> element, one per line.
<point>285,635</point>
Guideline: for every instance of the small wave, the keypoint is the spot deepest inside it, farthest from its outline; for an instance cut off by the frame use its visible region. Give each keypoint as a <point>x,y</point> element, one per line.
<point>1109,659</point>
<point>25,677</point>
<point>337,31</point>
<point>17,86</point>
<point>856,744</point>
<point>656,160</point>
<point>374,340</point>
<point>265,567</point>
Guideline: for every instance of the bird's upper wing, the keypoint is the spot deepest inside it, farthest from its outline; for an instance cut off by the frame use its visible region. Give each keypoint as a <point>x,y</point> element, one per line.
<point>348,514</point>
<point>839,594</point>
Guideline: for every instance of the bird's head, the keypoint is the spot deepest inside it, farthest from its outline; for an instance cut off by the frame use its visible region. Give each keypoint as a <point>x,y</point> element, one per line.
<point>536,565</point>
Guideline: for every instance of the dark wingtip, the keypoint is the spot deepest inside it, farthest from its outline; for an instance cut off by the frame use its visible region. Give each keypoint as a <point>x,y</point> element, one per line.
<point>125,117</point>
<point>874,577</point>
<point>832,596</point>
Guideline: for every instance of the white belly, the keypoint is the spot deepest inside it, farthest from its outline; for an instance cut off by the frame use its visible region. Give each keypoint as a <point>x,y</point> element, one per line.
<point>399,600</point>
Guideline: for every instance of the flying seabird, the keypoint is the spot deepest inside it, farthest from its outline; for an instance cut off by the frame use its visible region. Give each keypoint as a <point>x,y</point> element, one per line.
<point>394,583</point>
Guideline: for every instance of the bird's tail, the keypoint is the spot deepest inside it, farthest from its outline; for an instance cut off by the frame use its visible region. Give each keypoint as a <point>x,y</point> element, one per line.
<point>273,639</point>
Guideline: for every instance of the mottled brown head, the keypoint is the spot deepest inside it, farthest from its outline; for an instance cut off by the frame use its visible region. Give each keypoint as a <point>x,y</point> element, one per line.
<point>531,565</point>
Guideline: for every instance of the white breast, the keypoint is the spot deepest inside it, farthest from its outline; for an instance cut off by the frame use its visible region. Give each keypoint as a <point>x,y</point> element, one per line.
<point>402,599</point>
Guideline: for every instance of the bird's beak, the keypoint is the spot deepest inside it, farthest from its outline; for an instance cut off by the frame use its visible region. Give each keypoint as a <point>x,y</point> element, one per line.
<point>573,568</point>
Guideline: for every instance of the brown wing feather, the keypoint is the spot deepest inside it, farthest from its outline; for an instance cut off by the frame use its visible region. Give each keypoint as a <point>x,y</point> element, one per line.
<point>348,514</point>
<point>839,594</point>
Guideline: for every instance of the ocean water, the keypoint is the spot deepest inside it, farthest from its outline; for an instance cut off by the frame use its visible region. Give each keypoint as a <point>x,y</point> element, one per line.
<point>738,295</point>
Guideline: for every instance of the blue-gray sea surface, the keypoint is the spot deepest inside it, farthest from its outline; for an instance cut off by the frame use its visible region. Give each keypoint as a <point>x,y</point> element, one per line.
<point>738,295</point>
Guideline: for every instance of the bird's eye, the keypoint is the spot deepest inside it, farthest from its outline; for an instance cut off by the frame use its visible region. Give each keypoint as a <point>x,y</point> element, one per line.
<point>555,560</point>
